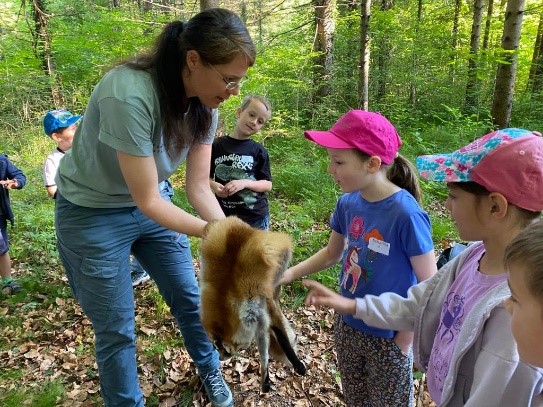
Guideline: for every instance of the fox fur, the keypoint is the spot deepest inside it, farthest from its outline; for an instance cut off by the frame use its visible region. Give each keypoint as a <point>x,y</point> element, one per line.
<point>240,267</point>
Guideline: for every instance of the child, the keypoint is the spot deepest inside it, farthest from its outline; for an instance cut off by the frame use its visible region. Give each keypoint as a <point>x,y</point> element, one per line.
<point>240,166</point>
<point>11,177</point>
<point>60,125</point>
<point>462,335</point>
<point>383,238</point>
<point>524,262</point>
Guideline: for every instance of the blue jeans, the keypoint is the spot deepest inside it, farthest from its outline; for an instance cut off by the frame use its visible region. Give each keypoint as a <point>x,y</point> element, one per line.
<point>4,236</point>
<point>94,246</point>
<point>262,223</point>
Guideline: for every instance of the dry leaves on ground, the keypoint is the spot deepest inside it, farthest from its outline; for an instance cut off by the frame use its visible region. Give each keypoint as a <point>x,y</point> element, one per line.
<point>58,344</point>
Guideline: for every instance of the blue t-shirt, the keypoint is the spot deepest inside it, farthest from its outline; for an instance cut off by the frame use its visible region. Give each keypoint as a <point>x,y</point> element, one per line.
<point>381,237</point>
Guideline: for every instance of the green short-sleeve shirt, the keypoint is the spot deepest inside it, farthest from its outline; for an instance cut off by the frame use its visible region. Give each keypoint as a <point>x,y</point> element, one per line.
<point>123,114</point>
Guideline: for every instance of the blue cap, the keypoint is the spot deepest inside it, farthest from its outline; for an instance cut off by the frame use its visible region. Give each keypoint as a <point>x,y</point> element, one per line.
<point>58,119</point>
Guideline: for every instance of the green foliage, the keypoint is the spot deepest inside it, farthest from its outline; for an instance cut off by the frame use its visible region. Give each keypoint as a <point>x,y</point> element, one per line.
<point>158,346</point>
<point>48,394</point>
<point>424,94</point>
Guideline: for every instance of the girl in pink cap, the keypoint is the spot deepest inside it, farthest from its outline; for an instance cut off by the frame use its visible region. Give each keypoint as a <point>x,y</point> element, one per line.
<point>383,239</point>
<point>462,330</point>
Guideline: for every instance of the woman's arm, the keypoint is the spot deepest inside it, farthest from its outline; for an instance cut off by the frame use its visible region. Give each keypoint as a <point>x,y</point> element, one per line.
<point>142,180</point>
<point>199,193</point>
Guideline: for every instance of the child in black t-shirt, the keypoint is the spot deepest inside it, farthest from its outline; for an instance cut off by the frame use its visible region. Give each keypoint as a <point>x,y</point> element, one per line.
<point>240,167</point>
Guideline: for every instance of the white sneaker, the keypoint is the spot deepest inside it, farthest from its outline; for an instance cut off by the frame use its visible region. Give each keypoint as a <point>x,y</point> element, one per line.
<point>139,277</point>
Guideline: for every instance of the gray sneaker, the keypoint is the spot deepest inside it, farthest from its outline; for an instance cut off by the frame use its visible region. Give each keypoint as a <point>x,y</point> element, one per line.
<point>11,288</point>
<point>139,277</point>
<point>216,389</point>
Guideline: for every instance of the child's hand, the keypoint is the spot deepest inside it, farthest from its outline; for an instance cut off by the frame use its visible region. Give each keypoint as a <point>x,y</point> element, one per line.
<point>286,278</point>
<point>9,183</point>
<point>235,186</point>
<point>220,191</point>
<point>319,295</point>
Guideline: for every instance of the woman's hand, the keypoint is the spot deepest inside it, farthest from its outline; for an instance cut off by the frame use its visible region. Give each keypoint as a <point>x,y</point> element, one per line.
<point>319,296</point>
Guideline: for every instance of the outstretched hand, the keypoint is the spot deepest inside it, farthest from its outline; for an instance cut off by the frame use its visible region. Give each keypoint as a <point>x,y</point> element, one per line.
<point>286,278</point>
<point>321,296</point>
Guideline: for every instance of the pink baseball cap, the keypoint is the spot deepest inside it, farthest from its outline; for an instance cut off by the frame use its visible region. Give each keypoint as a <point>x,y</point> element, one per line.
<point>368,132</point>
<point>508,161</point>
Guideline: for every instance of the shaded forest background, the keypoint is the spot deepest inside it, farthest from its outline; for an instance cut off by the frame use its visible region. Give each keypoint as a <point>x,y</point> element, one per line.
<point>427,60</point>
<point>443,71</point>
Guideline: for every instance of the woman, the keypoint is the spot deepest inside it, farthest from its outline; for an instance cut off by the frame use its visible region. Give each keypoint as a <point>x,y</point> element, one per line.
<point>144,118</point>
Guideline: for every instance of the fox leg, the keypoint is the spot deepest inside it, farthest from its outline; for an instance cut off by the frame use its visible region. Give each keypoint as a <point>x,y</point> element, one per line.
<point>284,342</point>
<point>284,336</point>
<point>263,345</point>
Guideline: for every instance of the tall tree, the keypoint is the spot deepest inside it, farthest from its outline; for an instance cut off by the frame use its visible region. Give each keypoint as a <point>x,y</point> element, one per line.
<point>535,79</point>
<point>324,35</point>
<point>363,79</point>
<point>384,47</point>
<point>205,4</point>
<point>414,63</point>
<point>507,70</point>
<point>472,88</point>
<point>42,48</point>
<point>454,40</point>
<point>488,23</point>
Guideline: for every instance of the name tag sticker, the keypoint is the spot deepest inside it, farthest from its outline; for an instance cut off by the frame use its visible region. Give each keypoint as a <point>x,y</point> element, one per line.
<point>379,246</point>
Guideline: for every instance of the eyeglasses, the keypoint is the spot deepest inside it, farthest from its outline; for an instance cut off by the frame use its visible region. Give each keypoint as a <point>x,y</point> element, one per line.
<point>231,85</point>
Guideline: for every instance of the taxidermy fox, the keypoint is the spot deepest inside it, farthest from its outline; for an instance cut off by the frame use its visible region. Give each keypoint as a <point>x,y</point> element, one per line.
<point>239,270</point>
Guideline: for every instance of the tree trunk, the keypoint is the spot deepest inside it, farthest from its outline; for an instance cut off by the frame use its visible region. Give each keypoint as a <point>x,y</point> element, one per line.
<point>472,88</point>
<point>324,26</point>
<point>414,64</point>
<point>384,48</point>
<point>488,23</point>
<point>42,48</point>
<point>363,80</point>
<point>507,70</point>
<point>535,79</point>
<point>454,42</point>
<point>205,4</point>
<point>345,7</point>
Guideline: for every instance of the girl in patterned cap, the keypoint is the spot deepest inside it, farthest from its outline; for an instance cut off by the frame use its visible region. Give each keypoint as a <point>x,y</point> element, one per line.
<point>462,335</point>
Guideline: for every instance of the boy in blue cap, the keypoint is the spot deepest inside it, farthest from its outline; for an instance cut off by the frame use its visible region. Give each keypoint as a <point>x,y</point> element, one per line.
<point>60,125</point>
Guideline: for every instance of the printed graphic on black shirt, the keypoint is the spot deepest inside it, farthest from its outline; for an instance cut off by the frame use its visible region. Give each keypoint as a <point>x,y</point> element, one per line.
<point>237,171</point>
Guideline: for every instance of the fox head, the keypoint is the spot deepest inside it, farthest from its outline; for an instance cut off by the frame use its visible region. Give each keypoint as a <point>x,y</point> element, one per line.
<point>230,335</point>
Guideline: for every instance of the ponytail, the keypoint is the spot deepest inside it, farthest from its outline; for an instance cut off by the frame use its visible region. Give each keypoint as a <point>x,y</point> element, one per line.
<point>219,36</point>
<point>403,173</point>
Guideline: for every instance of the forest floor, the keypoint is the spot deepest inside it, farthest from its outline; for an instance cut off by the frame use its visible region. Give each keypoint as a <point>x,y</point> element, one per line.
<point>55,342</point>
